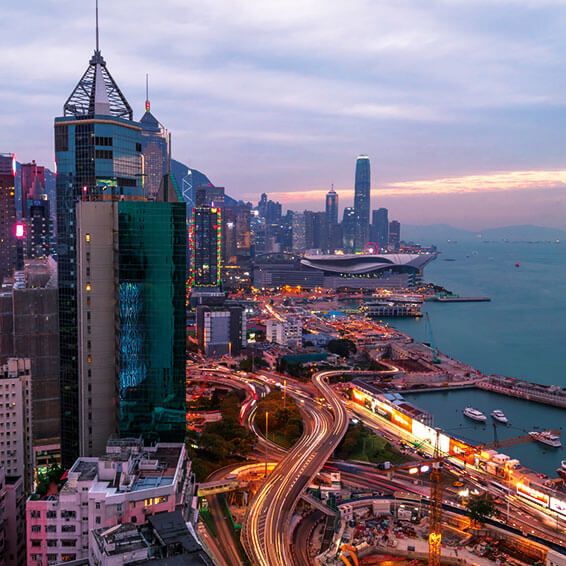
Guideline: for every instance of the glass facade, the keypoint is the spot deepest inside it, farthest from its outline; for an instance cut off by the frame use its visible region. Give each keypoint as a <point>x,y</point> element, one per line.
<point>362,200</point>
<point>152,324</point>
<point>205,243</point>
<point>154,150</point>
<point>97,158</point>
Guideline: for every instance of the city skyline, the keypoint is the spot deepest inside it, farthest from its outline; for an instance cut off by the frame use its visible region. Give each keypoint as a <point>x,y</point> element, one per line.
<point>460,116</point>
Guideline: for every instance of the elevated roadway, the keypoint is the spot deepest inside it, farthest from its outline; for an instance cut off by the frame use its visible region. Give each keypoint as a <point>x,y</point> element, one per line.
<point>265,532</point>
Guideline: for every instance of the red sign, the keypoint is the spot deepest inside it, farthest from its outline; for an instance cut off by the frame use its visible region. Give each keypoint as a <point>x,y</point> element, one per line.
<point>533,494</point>
<point>401,420</point>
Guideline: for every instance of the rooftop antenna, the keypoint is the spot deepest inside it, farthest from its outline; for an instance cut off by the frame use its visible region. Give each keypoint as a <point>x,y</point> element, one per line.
<point>147,105</point>
<point>97,48</point>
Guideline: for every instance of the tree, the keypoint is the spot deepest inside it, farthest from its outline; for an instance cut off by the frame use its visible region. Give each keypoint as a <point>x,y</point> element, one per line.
<point>480,508</point>
<point>342,347</point>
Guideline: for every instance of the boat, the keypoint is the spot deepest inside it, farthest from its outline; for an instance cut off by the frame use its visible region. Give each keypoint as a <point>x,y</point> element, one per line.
<point>499,415</point>
<point>546,437</point>
<point>474,414</point>
<point>562,470</point>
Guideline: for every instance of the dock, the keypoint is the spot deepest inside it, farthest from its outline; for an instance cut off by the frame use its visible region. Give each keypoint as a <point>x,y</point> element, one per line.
<point>455,299</point>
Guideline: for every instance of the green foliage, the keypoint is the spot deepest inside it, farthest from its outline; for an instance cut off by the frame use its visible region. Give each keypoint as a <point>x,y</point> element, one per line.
<point>285,425</point>
<point>52,475</point>
<point>480,508</point>
<point>359,443</point>
<point>221,442</point>
<point>342,347</point>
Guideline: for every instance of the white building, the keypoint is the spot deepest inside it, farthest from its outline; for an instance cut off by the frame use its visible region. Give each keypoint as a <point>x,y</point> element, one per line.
<point>287,332</point>
<point>126,485</point>
<point>16,447</point>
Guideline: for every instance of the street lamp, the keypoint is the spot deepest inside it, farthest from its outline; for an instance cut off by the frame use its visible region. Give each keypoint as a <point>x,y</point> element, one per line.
<point>266,440</point>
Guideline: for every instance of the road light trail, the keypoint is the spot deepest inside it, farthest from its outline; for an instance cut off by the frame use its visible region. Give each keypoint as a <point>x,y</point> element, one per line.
<point>265,533</point>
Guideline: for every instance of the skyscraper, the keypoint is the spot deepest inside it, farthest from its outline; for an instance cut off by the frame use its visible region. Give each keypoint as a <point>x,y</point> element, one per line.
<point>362,201</point>
<point>205,233</point>
<point>299,232</point>
<point>38,222</point>
<point>154,151</point>
<point>380,227</point>
<point>331,228</point>
<point>349,228</point>
<point>31,174</point>
<point>394,235</point>
<point>98,154</point>
<point>332,206</point>
<point>7,215</point>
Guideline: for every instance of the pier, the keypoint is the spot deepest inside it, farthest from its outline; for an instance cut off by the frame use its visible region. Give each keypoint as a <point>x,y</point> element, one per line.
<point>456,299</point>
<point>546,395</point>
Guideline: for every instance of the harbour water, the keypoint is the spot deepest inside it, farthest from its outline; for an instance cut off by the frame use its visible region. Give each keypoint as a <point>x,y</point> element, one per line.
<point>520,333</point>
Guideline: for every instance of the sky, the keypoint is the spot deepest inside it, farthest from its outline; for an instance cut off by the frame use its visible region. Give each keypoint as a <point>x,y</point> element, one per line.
<point>460,104</point>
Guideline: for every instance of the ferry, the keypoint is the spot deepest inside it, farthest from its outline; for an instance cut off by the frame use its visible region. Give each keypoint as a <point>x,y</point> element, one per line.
<point>546,437</point>
<point>499,415</point>
<point>474,414</point>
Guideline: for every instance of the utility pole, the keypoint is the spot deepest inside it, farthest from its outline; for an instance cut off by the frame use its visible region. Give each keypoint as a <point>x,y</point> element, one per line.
<point>266,441</point>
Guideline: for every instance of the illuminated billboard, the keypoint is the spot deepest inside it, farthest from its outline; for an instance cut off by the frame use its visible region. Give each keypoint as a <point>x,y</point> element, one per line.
<point>533,494</point>
<point>401,420</point>
<point>458,449</point>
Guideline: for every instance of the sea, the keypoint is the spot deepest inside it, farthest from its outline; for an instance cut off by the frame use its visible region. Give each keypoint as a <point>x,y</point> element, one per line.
<point>520,333</point>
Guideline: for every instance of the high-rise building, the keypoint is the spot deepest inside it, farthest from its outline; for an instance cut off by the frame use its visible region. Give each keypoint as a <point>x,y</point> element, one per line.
<point>8,251</point>
<point>299,232</point>
<point>16,452</point>
<point>29,329</point>
<point>332,207</point>
<point>394,235</point>
<point>349,227</point>
<point>154,151</point>
<point>131,292</point>
<point>32,183</point>
<point>98,149</point>
<point>362,200</point>
<point>209,195</point>
<point>236,235</point>
<point>380,227</point>
<point>38,237</point>
<point>205,235</point>
<point>221,330</point>
<point>12,520</point>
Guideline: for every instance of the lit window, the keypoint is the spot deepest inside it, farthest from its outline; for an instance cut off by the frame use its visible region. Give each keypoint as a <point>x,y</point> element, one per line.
<point>87,237</point>
<point>88,287</point>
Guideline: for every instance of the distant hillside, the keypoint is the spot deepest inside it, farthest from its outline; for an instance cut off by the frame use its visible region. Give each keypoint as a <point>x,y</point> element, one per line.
<point>438,233</point>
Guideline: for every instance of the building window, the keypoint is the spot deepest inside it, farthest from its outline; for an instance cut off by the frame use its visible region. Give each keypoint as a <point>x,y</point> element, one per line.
<point>87,237</point>
<point>88,287</point>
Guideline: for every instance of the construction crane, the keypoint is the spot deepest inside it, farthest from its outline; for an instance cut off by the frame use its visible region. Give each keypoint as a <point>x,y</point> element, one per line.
<point>436,487</point>
<point>432,343</point>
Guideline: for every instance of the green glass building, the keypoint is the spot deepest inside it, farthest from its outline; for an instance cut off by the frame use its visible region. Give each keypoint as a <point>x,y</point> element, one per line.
<point>151,316</point>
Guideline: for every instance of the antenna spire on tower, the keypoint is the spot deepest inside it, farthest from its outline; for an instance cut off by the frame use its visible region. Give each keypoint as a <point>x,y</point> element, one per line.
<point>147,105</point>
<point>97,44</point>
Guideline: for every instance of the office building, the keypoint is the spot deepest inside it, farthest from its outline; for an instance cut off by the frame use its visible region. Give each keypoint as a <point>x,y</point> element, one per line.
<point>362,200</point>
<point>128,484</point>
<point>131,293</point>
<point>287,332</point>
<point>332,206</point>
<point>38,223</point>
<point>29,329</point>
<point>394,235</point>
<point>299,232</point>
<point>349,228</point>
<point>380,228</point>
<point>98,149</point>
<point>154,151</point>
<point>8,251</point>
<point>236,235</point>
<point>221,330</point>
<point>16,448</point>
<point>12,520</point>
<point>205,242</point>
<point>331,229</point>
<point>209,195</point>
<point>32,183</point>
<point>259,236</point>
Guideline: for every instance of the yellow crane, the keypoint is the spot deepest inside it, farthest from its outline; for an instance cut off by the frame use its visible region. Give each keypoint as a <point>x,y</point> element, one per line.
<point>436,487</point>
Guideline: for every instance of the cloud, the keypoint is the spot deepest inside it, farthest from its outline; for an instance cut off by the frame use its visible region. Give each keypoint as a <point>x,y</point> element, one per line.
<point>494,182</point>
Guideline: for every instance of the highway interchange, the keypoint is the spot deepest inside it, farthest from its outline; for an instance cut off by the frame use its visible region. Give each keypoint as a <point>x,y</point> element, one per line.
<point>266,533</point>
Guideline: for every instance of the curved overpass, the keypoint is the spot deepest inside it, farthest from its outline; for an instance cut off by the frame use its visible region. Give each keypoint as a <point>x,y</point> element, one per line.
<point>265,532</point>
